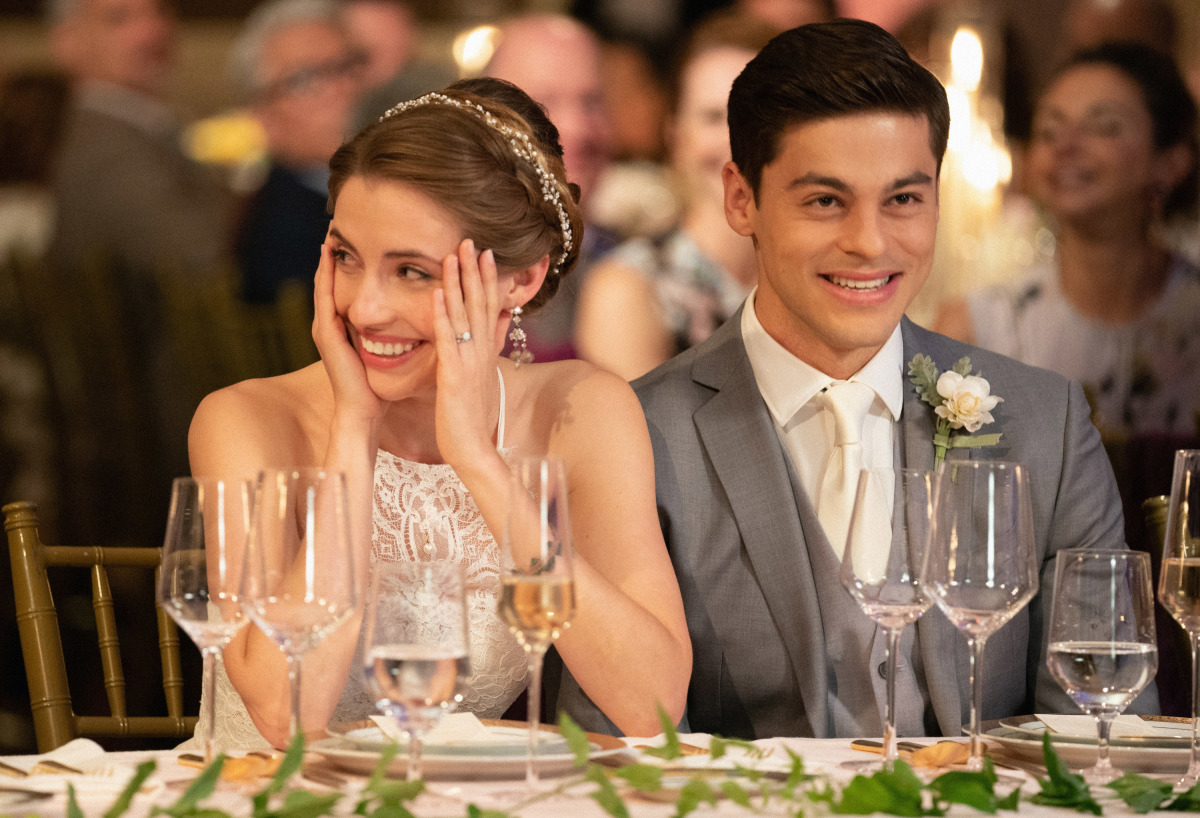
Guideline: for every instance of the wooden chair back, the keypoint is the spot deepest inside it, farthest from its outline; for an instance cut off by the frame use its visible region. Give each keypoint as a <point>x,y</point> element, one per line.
<point>54,719</point>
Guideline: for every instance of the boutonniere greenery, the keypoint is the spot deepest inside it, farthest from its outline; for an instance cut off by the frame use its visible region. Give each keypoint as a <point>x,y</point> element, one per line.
<point>959,399</point>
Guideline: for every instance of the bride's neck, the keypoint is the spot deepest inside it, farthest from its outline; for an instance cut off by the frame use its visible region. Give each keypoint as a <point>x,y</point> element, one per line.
<point>409,431</point>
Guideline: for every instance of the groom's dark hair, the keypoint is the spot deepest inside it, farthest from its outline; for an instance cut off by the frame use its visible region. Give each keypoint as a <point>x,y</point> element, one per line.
<point>826,70</point>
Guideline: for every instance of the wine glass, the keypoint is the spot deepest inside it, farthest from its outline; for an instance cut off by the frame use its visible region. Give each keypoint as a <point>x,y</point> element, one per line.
<point>1179,581</point>
<point>980,565</point>
<point>299,583</point>
<point>416,655</point>
<point>881,566</point>
<point>1102,645</point>
<point>537,586</point>
<point>207,522</point>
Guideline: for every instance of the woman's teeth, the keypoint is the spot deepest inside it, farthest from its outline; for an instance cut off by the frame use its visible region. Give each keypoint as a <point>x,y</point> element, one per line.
<point>380,348</point>
<point>855,284</point>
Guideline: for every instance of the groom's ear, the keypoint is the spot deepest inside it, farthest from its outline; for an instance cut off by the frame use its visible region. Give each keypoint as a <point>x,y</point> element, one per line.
<point>739,200</point>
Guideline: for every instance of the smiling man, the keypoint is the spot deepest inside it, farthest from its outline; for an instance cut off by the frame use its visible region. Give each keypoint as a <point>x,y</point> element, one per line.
<point>837,139</point>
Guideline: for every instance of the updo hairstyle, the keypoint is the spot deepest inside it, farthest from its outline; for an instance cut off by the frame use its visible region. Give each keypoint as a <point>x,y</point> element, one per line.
<point>451,154</point>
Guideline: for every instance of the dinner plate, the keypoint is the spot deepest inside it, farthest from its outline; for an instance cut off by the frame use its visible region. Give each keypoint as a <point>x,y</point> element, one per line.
<point>12,796</point>
<point>502,741</point>
<point>1023,738</point>
<point>504,760</point>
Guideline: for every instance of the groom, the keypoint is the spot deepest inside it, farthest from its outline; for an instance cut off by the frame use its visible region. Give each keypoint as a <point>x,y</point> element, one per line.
<point>837,140</point>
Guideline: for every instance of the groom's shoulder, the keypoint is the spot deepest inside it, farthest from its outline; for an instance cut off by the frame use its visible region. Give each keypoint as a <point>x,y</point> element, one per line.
<point>993,366</point>
<point>692,376</point>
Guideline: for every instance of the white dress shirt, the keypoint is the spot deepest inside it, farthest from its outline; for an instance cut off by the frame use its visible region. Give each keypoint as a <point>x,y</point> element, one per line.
<point>792,391</point>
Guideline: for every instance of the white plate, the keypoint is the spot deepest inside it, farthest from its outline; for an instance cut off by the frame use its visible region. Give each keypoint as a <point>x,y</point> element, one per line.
<point>462,762</point>
<point>1023,738</point>
<point>12,796</point>
<point>502,741</point>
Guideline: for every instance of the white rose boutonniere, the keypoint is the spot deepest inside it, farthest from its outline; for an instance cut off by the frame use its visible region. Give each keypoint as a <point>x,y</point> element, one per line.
<point>959,399</point>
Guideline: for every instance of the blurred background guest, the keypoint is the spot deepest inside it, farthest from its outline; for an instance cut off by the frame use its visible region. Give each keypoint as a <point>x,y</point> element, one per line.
<point>296,65</point>
<point>556,60</point>
<point>653,297</point>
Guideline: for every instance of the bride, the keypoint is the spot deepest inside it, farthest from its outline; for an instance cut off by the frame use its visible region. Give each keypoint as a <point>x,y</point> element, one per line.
<point>451,218</point>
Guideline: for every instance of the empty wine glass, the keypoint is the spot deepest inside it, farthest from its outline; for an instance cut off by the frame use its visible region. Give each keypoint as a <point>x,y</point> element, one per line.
<point>299,582</point>
<point>537,586</point>
<point>881,567</point>
<point>416,655</point>
<point>1102,646</point>
<point>207,521</point>
<point>980,565</point>
<point>1179,580</point>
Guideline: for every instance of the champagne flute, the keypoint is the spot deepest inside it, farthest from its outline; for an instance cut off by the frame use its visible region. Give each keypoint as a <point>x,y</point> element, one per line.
<point>980,565</point>
<point>537,586</point>
<point>1102,646</point>
<point>1179,582</point>
<point>417,662</point>
<point>881,567</point>
<point>299,583</point>
<point>207,522</point>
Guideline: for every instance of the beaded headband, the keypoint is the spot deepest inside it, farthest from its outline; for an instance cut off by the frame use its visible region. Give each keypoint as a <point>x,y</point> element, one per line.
<point>522,146</point>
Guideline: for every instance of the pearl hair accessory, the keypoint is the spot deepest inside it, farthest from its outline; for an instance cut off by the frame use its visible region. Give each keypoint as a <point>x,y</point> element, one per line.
<point>522,146</point>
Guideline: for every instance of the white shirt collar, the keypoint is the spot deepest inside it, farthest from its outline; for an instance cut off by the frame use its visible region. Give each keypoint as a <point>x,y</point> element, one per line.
<point>788,383</point>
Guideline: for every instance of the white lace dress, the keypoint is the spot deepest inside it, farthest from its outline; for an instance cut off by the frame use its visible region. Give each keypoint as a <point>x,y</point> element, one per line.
<point>421,512</point>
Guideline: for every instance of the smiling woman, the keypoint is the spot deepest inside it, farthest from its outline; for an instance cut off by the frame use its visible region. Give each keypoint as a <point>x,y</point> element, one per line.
<point>450,216</point>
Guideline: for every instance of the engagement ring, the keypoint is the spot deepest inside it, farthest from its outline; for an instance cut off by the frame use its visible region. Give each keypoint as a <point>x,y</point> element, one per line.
<point>463,337</point>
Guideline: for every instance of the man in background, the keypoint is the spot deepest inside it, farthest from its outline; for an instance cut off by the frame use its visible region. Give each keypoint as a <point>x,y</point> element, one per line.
<point>296,66</point>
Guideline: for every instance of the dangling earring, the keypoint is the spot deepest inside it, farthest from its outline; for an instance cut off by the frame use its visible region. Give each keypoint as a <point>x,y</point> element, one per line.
<point>520,353</point>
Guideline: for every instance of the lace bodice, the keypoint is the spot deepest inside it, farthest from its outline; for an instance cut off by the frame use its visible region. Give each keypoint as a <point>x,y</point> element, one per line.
<point>420,512</point>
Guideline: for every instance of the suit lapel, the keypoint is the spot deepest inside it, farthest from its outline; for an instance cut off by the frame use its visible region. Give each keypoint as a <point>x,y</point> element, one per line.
<point>739,436</point>
<point>938,637</point>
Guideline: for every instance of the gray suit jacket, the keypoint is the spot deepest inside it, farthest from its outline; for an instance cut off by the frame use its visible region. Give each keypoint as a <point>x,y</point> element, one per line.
<point>738,527</point>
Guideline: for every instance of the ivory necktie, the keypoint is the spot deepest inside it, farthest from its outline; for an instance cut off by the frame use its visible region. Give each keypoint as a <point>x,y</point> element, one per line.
<point>849,402</point>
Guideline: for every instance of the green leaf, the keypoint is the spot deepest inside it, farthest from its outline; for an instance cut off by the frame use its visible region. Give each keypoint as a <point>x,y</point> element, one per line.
<point>735,793</point>
<point>73,810</point>
<point>121,805</point>
<point>576,738</point>
<point>304,804</point>
<point>896,793</point>
<point>292,759</point>
<point>671,750</point>
<point>475,812</point>
<point>1187,801</point>
<point>197,791</point>
<point>642,777</point>
<point>694,793</point>
<point>1140,793</point>
<point>924,374</point>
<point>973,789</point>
<point>962,366</point>
<point>716,747</point>
<point>1063,788</point>
<point>605,793</point>
<point>1010,801</point>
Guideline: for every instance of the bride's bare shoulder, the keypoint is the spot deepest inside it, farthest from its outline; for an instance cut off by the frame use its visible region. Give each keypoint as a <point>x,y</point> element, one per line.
<point>577,393</point>
<point>278,416</point>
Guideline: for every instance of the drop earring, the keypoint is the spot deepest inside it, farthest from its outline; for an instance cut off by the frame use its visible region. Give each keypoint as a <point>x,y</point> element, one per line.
<point>520,354</point>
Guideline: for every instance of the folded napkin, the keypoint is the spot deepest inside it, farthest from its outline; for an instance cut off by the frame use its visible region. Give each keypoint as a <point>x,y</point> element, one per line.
<point>97,772</point>
<point>1085,726</point>
<point>457,730</point>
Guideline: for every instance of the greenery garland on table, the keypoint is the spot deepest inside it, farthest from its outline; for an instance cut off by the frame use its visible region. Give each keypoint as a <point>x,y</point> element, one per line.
<point>899,792</point>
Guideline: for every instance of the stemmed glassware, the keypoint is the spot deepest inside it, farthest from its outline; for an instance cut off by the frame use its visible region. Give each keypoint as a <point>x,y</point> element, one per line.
<point>537,585</point>
<point>1179,581</point>
<point>1102,646</point>
<point>881,567</point>
<point>299,583</point>
<point>416,654</point>
<point>980,565</point>
<point>207,523</point>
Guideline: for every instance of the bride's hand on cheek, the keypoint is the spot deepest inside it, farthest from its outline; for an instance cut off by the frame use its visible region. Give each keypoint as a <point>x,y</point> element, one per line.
<point>467,398</point>
<point>347,375</point>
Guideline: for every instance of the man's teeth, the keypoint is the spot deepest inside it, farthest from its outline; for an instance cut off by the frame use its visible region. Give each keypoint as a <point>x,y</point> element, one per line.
<point>855,284</point>
<point>380,348</point>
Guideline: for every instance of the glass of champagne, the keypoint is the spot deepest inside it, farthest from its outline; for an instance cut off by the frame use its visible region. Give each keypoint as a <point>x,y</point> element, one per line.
<point>207,524</point>
<point>299,582</point>
<point>416,655</point>
<point>1102,645</point>
<point>980,565</point>
<point>881,566</point>
<point>1179,582</point>
<point>537,586</point>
